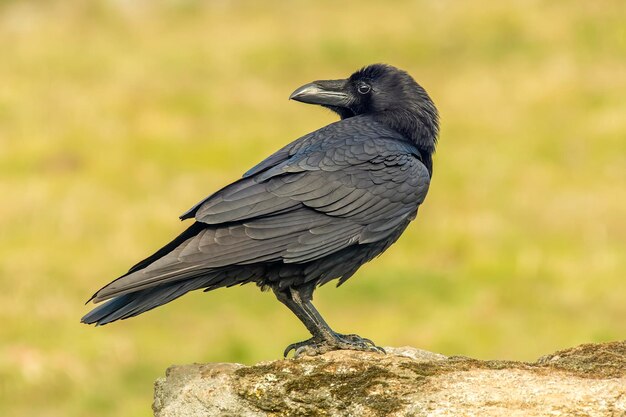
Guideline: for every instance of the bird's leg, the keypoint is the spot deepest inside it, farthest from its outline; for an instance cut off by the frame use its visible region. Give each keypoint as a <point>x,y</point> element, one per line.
<point>337,341</point>
<point>324,338</point>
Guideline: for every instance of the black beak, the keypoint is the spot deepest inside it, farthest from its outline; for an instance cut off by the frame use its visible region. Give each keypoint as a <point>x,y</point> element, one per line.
<point>331,93</point>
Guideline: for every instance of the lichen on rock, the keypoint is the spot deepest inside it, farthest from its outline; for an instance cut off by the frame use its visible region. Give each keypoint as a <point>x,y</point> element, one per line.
<point>587,380</point>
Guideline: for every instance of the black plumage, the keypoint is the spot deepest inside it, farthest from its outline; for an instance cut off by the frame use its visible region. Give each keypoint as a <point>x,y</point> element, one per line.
<point>314,211</point>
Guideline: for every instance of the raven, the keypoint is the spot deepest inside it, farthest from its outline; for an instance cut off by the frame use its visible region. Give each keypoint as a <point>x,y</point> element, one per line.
<point>314,211</point>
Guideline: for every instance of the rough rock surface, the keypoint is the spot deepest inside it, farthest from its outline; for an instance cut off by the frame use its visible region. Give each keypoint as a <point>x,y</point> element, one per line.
<point>588,380</point>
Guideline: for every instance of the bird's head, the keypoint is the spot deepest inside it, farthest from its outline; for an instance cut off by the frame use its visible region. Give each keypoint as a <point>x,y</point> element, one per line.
<point>387,93</point>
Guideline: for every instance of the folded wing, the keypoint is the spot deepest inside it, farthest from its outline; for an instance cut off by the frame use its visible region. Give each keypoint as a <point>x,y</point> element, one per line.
<point>305,205</point>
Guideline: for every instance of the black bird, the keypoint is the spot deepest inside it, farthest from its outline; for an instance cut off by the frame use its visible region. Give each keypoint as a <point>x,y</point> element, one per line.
<point>314,211</point>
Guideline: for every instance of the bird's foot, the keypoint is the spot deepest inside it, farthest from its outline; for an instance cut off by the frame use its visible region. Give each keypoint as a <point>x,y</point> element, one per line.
<point>318,346</point>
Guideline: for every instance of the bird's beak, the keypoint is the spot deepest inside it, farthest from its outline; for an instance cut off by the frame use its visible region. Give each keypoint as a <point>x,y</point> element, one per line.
<point>330,93</point>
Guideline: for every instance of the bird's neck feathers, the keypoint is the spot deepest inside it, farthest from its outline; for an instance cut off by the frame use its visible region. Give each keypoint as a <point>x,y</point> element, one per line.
<point>420,124</point>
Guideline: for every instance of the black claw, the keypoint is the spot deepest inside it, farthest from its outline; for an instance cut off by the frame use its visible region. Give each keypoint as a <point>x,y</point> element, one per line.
<point>355,338</point>
<point>338,341</point>
<point>288,349</point>
<point>363,342</point>
<point>296,346</point>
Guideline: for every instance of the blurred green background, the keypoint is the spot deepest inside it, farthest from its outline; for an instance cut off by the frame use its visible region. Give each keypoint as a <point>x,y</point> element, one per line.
<point>116,116</point>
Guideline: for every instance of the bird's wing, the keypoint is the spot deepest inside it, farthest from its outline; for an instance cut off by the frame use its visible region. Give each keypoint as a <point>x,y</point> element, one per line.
<point>313,145</point>
<point>360,189</point>
<point>355,155</point>
<point>269,239</point>
<point>378,194</point>
<point>324,198</point>
<point>276,158</point>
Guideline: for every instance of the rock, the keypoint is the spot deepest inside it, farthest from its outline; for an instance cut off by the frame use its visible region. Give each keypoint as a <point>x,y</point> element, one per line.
<point>588,380</point>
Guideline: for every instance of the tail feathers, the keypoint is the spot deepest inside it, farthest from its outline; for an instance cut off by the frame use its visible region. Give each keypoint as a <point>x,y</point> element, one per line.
<point>191,231</point>
<point>133,304</point>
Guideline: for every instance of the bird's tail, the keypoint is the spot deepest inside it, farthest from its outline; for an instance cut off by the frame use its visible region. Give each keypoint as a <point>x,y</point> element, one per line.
<point>135,303</point>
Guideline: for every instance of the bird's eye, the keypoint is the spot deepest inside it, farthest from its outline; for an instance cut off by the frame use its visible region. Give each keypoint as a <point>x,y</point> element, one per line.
<point>363,89</point>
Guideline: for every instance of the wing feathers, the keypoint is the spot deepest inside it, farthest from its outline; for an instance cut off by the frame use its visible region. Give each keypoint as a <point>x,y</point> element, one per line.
<point>313,198</point>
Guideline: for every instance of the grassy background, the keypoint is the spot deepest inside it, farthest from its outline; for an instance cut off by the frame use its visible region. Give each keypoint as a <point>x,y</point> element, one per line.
<point>116,116</point>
